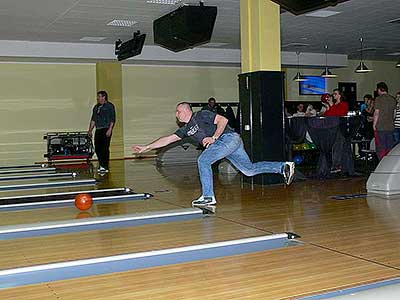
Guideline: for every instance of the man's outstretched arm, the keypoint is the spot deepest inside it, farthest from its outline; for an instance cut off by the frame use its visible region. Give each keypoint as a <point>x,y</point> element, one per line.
<point>158,143</point>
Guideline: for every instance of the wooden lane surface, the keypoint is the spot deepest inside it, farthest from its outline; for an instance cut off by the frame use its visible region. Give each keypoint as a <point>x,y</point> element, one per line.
<point>99,243</point>
<point>304,208</point>
<point>44,191</point>
<point>367,228</point>
<point>71,212</point>
<point>275,274</point>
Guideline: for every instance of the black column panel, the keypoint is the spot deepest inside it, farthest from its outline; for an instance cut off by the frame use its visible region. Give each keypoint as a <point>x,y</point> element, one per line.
<point>261,96</point>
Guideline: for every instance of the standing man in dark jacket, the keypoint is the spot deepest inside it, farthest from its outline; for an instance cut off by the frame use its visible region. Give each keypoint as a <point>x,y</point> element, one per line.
<point>103,118</point>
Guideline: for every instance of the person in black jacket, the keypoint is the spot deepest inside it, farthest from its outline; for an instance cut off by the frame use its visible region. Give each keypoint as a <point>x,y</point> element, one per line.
<point>103,118</point>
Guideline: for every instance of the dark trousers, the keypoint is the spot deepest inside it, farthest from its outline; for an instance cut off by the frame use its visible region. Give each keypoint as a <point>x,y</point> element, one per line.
<point>102,147</point>
<point>384,142</point>
<point>337,151</point>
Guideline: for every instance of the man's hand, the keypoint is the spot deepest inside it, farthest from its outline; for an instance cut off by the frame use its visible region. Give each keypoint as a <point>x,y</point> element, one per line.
<point>109,132</point>
<point>208,141</point>
<point>90,134</point>
<point>140,148</point>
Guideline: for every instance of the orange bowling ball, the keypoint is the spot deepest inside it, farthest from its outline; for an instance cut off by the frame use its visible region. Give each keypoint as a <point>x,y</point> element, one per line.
<point>83,201</point>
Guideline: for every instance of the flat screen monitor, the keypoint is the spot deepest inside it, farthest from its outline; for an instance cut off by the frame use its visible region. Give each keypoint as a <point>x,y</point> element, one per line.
<point>315,85</point>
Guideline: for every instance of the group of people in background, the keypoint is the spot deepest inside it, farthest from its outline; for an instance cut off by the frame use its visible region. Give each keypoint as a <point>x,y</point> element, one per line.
<point>331,105</point>
<point>380,115</point>
<point>381,119</point>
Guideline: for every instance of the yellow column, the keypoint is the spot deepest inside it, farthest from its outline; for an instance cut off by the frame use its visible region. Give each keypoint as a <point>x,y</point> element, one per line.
<point>109,79</point>
<point>260,35</point>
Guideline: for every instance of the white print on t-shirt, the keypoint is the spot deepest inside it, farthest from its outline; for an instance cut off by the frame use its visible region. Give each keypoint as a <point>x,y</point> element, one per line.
<point>193,130</point>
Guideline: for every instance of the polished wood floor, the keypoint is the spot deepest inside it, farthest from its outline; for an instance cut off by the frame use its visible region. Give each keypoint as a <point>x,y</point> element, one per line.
<point>346,243</point>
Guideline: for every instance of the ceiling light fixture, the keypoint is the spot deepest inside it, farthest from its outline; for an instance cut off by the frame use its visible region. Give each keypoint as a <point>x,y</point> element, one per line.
<point>362,68</point>
<point>92,38</point>
<point>121,23</point>
<point>298,76</point>
<point>322,13</point>
<point>164,2</point>
<point>327,73</point>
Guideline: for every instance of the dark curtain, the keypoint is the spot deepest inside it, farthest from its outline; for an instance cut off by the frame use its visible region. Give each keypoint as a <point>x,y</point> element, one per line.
<point>323,132</point>
<point>331,135</point>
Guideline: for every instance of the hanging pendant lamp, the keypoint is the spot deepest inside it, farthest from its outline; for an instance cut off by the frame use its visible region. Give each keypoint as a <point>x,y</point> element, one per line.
<point>299,77</point>
<point>362,68</point>
<point>327,73</point>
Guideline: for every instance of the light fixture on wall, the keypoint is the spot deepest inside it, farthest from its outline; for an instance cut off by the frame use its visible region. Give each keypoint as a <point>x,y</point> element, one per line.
<point>327,73</point>
<point>362,68</point>
<point>298,76</point>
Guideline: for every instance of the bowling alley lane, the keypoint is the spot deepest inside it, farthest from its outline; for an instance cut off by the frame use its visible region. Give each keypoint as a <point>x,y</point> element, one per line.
<point>71,212</point>
<point>100,243</point>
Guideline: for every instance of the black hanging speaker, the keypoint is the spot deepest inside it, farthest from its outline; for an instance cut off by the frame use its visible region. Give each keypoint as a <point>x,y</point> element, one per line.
<point>299,7</point>
<point>185,27</point>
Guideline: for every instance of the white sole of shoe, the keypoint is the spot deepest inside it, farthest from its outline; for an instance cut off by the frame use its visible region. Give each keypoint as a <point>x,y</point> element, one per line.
<point>291,175</point>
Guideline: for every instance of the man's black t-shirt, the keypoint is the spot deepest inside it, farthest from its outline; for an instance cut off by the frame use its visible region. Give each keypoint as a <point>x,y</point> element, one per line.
<point>200,126</point>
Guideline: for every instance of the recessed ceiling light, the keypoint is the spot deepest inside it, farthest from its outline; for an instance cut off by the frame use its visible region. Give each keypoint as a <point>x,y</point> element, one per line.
<point>397,20</point>
<point>368,49</point>
<point>214,44</point>
<point>164,2</point>
<point>323,13</point>
<point>394,54</point>
<point>92,38</point>
<point>296,45</point>
<point>122,23</point>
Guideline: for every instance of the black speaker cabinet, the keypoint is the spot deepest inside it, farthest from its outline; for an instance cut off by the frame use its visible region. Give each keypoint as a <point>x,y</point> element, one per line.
<point>299,7</point>
<point>261,96</point>
<point>185,27</point>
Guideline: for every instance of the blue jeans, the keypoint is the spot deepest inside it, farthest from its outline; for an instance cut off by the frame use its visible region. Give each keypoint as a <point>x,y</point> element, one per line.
<point>396,135</point>
<point>230,146</point>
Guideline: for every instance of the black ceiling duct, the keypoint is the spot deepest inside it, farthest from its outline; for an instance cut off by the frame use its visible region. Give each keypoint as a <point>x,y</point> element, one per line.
<point>185,27</point>
<point>299,7</point>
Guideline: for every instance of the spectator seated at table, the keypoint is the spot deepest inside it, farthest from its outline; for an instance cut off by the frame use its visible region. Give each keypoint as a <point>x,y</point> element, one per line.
<point>310,112</point>
<point>300,111</point>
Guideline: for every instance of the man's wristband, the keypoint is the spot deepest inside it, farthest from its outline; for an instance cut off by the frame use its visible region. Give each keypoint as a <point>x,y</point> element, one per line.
<point>214,138</point>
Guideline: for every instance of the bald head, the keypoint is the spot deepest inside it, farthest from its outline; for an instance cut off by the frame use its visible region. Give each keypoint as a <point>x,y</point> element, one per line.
<point>183,112</point>
<point>184,105</point>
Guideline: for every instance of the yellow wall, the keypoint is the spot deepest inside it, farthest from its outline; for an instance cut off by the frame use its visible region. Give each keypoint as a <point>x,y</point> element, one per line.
<point>366,83</point>
<point>109,78</point>
<point>39,98</point>
<point>150,94</point>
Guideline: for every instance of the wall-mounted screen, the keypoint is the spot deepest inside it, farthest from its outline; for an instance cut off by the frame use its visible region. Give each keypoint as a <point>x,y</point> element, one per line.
<point>315,85</point>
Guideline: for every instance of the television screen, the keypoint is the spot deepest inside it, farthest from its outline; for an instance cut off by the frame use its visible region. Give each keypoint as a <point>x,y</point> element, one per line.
<point>315,85</point>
